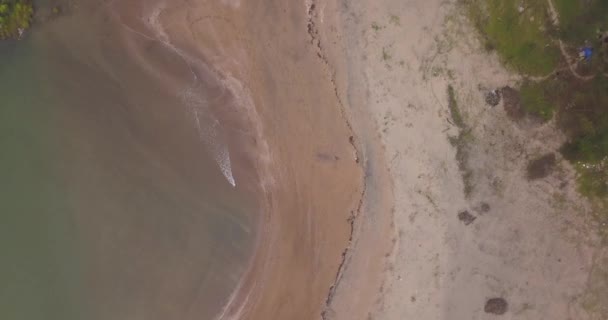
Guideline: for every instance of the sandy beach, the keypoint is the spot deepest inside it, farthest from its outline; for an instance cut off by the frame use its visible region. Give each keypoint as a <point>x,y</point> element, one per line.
<point>468,224</point>
<point>373,206</point>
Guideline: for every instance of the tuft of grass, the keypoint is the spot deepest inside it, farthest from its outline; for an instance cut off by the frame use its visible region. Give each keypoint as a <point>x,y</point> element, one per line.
<point>535,100</point>
<point>522,39</point>
<point>376,27</point>
<point>454,110</point>
<point>395,20</point>
<point>385,55</point>
<point>461,142</point>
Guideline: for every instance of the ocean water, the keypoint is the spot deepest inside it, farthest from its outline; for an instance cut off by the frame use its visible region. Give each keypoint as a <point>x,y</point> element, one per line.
<point>118,196</point>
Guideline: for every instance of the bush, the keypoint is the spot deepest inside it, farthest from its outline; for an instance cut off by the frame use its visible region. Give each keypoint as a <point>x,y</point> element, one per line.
<point>15,17</point>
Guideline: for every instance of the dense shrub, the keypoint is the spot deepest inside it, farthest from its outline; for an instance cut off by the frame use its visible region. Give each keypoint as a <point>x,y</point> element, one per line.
<point>15,17</point>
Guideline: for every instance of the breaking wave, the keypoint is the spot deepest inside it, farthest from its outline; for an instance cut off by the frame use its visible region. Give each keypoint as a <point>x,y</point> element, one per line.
<point>209,131</point>
<point>208,127</point>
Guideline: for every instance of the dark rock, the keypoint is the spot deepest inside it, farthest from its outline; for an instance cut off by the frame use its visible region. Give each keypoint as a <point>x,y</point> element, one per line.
<point>493,98</point>
<point>466,217</point>
<point>496,306</point>
<point>512,103</point>
<point>484,207</point>
<point>541,167</point>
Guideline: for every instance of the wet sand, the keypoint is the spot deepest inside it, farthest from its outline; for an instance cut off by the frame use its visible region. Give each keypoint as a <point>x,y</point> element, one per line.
<point>309,177</point>
<point>338,112</point>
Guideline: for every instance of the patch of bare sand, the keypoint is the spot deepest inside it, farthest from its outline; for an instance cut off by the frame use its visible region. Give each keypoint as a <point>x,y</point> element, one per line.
<point>529,242</point>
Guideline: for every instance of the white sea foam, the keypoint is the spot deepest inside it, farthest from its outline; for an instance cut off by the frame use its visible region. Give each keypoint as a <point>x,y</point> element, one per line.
<point>209,130</point>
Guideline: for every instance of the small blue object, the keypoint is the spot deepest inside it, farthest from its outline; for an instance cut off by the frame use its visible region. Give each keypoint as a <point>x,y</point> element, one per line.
<point>587,53</point>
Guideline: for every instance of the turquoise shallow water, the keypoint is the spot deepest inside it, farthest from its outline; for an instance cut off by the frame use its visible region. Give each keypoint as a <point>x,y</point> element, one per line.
<point>112,207</point>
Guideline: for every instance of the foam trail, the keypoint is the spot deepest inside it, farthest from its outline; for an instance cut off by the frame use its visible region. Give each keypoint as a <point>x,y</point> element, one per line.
<point>210,134</point>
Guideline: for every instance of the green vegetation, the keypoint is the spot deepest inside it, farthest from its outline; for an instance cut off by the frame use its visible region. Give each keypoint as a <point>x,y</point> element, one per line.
<point>534,100</point>
<point>454,110</point>
<point>523,34</point>
<point>592,182</point>
<point>15,17</point>
<point>580,21</point>
<point>385,55</point>
<point>520,35</point>
<point>586,122</point>
<point>568,10</point>
<point>376,27</point>
<point>461,142</point>
<point>395,20</point>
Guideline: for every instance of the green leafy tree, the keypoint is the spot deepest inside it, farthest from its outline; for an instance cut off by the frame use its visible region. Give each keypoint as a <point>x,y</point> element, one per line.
<point>15,17</point>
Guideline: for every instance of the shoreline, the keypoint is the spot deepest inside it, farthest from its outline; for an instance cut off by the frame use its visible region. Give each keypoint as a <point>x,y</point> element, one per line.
<point>372,237</point>
<point>310,161</point>
<point>363,174</point>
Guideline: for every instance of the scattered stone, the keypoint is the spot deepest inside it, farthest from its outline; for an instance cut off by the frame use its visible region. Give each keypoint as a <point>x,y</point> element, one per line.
<point>541,167</point>
<point>327,157</point>
<point>496,306</point>
<point>493,98</point>
<point>485,208</point>
<point>482,208</point>
<point>466,217</point>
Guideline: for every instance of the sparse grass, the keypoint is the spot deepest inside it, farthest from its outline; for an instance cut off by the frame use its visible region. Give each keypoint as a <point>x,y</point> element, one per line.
<point>581,20</point>
<point>385,55</point>
<point>592,182</point>
<point>395,20</point>
<point>525,39</point>
<point>454,110</point>
<point>568,10</point>
<point>521,38</point>
<point>535,100</point>
<point>461,142</point>
<point>376,27</point>
<point>586,122</point>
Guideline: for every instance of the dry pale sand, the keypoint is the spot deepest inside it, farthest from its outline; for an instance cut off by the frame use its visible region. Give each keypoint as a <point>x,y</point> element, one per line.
<point>532,243</point>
